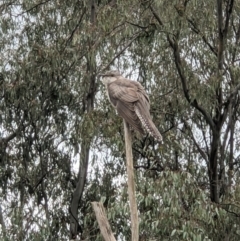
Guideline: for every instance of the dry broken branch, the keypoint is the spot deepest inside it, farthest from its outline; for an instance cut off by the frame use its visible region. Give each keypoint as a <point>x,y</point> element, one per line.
<point>103,222</point>
<point>131,183</point>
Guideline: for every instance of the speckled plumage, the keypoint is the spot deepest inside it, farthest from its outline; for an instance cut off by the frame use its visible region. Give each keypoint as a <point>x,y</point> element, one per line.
<point>131,102</point>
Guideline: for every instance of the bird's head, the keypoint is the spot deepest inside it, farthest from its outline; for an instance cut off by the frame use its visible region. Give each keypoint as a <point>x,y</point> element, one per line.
<point>110,76</point>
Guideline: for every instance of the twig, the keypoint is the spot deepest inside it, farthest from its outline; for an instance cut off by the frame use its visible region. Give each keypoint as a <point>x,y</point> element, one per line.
<point>35,6</point>
<point>120,52</point>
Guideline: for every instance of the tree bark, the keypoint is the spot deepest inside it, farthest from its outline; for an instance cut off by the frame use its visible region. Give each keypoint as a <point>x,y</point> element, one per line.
<point>131,183</point>
<point>213,171</point>
<point>75,228</point>
<point>103,222</point>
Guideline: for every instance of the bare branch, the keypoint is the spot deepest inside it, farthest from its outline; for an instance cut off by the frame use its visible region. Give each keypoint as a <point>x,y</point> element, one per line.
<point>203,154</point>
<point>156,15</point>
<point>5,140</point>
<point>76,27</point>
<point>8,138</point>
<point>178,62</point>
<point>234,92</point>
<point>137,25</point>
<point>120,52</point>
<point>194,103</point>
<point>35,6</point>
<point>229,9</point>
<point>197,31</point>
<point>103,222</point>
<point>230,99</point>
<point>3,6</point>
<point>221,35</point>
<point>131,183</point>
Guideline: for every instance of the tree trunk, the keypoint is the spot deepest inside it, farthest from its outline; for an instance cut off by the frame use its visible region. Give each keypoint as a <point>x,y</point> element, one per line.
<point>75,228</point>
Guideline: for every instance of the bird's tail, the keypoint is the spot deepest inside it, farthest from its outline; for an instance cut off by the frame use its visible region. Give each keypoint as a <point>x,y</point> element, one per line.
<point>148,124</point>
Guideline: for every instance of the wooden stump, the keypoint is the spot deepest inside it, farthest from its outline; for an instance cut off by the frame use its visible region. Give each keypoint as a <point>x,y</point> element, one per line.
<point>131,182</point>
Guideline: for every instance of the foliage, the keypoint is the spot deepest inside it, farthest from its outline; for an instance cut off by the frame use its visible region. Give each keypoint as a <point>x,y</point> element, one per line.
<point>61,143</point>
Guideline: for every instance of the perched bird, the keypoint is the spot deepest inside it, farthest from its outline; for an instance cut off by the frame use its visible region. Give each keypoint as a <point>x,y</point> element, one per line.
<point>131,101</point>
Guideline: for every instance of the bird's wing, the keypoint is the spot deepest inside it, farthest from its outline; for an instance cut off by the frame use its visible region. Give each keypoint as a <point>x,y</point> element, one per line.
<point>141,92</point>
<point>127,112</point>
<point>131,91</point>
<point>123,90</point>
<point>127,91</point>
<point>124,94</point>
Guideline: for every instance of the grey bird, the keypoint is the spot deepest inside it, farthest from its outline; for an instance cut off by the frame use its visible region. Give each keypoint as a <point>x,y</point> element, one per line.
<point>131,101</point>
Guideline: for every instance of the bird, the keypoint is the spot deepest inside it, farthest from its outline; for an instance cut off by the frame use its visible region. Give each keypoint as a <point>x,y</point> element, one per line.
<point>131,102</point>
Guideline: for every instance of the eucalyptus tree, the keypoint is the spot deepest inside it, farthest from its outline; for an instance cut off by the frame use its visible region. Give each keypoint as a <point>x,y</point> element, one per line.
<point>62,145</point>
<point>187,53</point>
<point>189,59</point>
<point>203,46</point>
<point>48,87</point>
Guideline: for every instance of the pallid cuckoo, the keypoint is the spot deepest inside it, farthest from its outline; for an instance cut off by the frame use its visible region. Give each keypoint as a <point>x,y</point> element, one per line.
<point>131,101</point>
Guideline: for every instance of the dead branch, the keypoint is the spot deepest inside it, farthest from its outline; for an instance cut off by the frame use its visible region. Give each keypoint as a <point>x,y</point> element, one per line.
<point>102,221</point>
<point>131,183</point>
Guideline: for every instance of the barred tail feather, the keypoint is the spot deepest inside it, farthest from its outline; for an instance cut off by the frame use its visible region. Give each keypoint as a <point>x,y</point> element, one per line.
<point>148,125</point>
